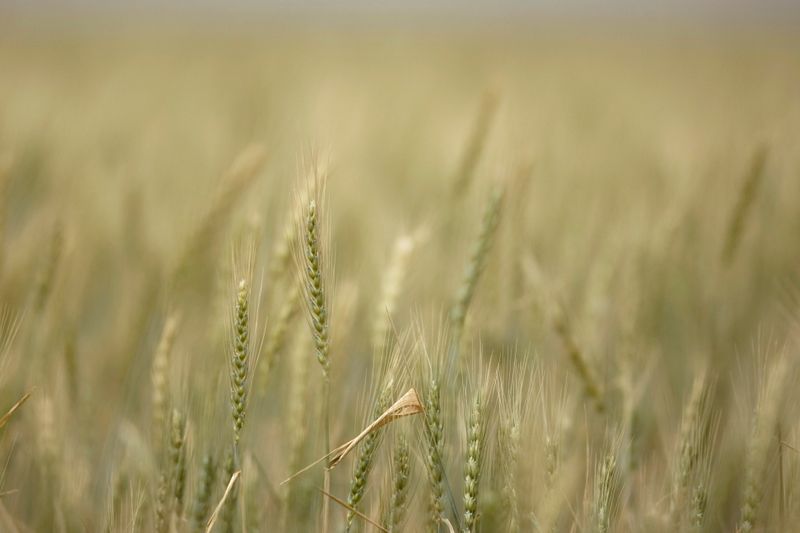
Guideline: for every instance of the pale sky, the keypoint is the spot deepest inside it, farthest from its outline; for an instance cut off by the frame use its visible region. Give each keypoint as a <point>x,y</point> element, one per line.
<point>705,10</point>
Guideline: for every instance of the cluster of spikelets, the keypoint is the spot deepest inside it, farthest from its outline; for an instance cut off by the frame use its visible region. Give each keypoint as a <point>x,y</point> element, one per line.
<point>445,432</point>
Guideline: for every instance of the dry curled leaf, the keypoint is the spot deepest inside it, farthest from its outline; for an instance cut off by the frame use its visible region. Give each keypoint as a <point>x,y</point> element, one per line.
<point>407,405</point>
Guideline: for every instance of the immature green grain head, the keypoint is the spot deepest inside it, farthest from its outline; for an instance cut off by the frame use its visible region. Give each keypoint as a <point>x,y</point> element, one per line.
<point>314,285</point>
<point>434,385</point>
<point>243,351</point>
<point>310,256</point>
<point>204,491</point>
<point>365,460</point>
<point>239,357</point>
<point>386,379</point>
<point>400,478</point>
<point>478,259</point>
<point>476,431</point>
<point>475,453</point>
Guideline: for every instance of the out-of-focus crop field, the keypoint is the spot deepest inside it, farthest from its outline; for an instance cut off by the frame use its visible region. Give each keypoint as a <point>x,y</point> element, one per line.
<point>224,253</point>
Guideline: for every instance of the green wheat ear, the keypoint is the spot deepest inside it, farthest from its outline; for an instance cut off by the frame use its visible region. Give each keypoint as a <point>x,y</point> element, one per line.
<point>400,482</point>
<point>365,459</point>
<point>314,286</point>
<point>178,460</point>
<point>478,259</point>
<point>476,432</point>
<point>205,488</point>
<point>309,254</point>
<point>239,358</point>
<point>434,433</point>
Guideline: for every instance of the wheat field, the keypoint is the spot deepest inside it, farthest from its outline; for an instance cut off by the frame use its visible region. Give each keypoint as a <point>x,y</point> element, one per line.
<point>315,280</point>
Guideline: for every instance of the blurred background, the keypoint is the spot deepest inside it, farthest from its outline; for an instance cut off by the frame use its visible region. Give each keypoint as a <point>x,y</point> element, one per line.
<point>626,133</point>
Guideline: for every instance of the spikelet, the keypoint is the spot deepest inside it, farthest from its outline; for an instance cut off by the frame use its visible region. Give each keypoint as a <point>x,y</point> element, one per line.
<point>365,459</point>
<point>433,374</point>
<point>240,353</point>
<point>387,379</point>
<point>476,431</point>
<point>475,456</point>
<point>400,479</point>
<point>310,254</point>
<point>244,341</point>
<point>478,258</point>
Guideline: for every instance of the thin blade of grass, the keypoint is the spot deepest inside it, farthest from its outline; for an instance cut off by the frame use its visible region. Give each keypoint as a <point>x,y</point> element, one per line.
<point>353,510</point>
<point>213,519</point>
<point>6,417</point>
